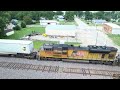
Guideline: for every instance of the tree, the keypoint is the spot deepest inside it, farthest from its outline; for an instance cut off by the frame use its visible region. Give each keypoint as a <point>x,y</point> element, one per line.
<point>88,15</point>
<point>27,20</point>
<point>79,13</point>
<point>4,19</point>
<point>17,27</point>
<point>23,24</point>
<point>59,13</point>
<point>69,15</point>
<point>2,26</point>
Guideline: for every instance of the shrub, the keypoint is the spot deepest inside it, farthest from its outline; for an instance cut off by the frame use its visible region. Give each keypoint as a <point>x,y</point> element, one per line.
<point>17,27</point>
<point>23,24</point>
<point>27,20</point>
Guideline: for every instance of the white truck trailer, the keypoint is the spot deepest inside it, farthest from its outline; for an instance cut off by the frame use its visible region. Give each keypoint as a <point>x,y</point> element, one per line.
<point>16,47</point>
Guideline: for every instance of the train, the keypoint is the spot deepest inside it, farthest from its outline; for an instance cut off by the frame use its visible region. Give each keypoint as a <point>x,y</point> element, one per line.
<point>60,52</point>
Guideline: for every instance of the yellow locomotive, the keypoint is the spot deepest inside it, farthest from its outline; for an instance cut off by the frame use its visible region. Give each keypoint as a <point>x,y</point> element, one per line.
<point>91,53</point>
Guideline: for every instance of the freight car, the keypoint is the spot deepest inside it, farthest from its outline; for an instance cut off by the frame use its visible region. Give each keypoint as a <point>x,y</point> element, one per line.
<point>18,48</point>
<point>91,53</point>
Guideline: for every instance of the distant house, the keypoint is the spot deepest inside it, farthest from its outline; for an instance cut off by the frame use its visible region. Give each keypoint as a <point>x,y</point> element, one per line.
<point>99,21</point>
<point>9,29</point>
<point>44,23</point>
<point>14,21</point>
<point>61,30</point>
<point>111,28</point>
<point>60,18</point>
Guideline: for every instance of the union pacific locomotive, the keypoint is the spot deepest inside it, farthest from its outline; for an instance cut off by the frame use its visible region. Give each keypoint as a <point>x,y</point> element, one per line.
<point>91,53</point>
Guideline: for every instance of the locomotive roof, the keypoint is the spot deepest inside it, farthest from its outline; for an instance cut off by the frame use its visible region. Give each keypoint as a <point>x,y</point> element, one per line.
<point>89,47</point>
<point>102,48</point>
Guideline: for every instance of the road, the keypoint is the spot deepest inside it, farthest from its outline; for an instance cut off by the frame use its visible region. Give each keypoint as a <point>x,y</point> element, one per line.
<point>92,35</point>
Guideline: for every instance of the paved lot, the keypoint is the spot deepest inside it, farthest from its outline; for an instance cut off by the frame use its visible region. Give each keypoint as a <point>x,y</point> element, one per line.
<point>91,35</point>
<point>31,74</point>
<point>66,39</point>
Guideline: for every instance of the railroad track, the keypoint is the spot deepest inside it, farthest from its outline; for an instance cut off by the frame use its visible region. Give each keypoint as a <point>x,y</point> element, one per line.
<point>57,69</point>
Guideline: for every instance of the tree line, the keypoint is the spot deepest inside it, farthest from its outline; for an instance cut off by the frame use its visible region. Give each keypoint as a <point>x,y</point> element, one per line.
<point>28,16</point>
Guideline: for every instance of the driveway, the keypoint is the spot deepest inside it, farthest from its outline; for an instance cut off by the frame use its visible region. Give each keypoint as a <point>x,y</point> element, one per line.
<point>91,35</point>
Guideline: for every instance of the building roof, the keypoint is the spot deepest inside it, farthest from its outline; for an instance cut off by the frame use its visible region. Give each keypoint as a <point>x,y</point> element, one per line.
<point>44,21</point>
<point>112,25</point>
<point>99,21</point>
<point>61,27</point>
<point>15,41</point>
<point>60,16</point>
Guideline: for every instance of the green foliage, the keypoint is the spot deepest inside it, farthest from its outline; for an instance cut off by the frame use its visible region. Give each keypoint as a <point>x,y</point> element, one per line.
<point>79,13</point>
<point>23,24</point>
<point>17,27</point>
<point>59,13</point>
<point>27,20</point>
<point>88,15</point>
<point>69,15</point>
<point>119,20</point>
<point>4,19</point>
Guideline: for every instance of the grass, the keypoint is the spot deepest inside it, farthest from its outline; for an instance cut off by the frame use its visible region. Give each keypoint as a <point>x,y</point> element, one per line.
<point>73,43</point>
<point>67,23</point>
<point>25,31</point>
<point>115,38</point>
<point>39,43</point>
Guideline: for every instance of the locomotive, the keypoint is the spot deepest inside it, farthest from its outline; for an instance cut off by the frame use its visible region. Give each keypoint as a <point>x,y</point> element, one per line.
<point>91,53</point>
<point>60,52</point>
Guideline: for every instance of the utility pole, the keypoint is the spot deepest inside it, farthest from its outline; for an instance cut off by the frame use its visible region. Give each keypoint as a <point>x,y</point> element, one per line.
<point>67,38</point>
<point>97,34</point>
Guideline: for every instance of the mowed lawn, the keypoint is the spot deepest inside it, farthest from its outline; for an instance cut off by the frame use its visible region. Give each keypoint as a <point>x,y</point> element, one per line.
<point>67,23</point>
<point>39,43</point>
<point>26,31</point>
<point>115,38</point>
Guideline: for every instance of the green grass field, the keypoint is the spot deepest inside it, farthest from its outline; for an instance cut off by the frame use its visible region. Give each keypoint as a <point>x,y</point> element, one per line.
<point>25,31</point>
<point>115,38</point>
<point>67,23</point>
<point>39,43</point>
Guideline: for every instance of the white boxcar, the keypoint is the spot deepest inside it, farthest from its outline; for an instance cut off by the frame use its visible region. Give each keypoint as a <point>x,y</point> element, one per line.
<point>15,46</point>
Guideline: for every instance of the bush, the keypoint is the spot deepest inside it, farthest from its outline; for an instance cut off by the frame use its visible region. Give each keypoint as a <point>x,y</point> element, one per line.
<point>27,20</point>
<point>23,24</point>
<point>119,20</point>
<point>17,27</point>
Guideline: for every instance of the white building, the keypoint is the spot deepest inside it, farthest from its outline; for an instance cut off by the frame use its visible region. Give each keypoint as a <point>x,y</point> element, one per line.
<point>61,30</point>
<point>44,23</point>
<point>60,18</point>
<point>99,21</point>
<point>9,29</point>
<point>111,28</point>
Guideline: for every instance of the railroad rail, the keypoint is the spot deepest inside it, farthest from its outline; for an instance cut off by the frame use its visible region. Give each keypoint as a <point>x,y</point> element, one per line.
<point>57,69</point>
